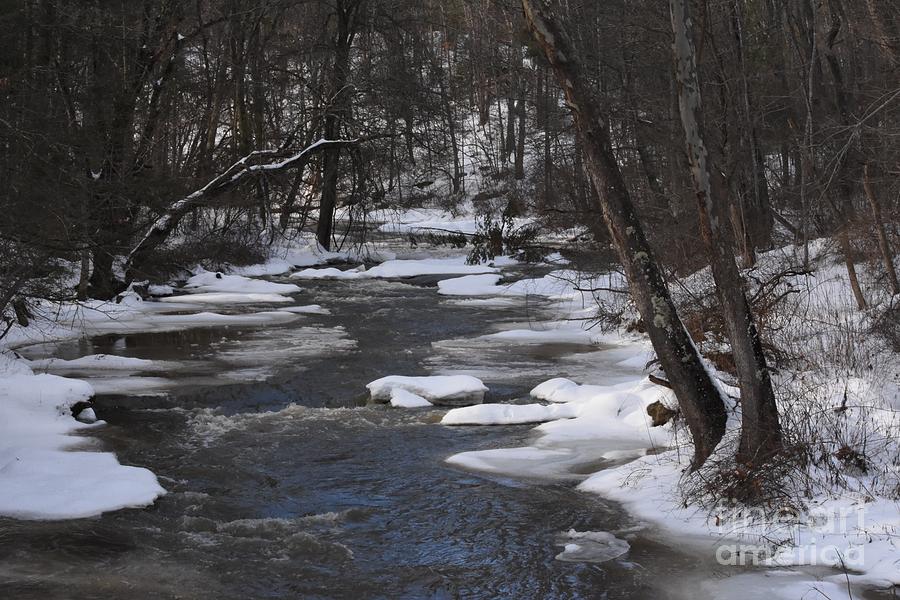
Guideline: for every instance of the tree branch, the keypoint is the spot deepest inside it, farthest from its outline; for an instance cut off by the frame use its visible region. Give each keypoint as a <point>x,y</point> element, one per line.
<point>233,176</point>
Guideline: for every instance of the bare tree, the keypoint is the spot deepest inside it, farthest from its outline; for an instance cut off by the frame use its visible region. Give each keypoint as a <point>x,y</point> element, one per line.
<point>760,431</point>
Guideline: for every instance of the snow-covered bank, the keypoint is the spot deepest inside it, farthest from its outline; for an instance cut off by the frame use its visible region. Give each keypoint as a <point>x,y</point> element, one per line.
<point>41,477</point>
<point>838,399</point>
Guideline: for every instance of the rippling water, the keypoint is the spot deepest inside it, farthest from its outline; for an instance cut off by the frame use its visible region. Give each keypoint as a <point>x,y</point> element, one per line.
<point>289,487</point>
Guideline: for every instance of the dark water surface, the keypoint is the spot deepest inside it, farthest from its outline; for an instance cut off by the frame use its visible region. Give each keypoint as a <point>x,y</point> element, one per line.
<point>289,487</point>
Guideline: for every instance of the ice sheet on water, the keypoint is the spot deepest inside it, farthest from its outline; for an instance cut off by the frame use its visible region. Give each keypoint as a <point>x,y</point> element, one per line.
<point>132,386</point>
<point>101,362</point>
<point>208,281</point>
<point>227,298</point>
<point>591,546</point>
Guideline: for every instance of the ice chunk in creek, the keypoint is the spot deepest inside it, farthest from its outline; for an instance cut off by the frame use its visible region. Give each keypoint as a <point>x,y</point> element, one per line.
<point>437,389</point>
<point>591,546</point>
<point>400,398</point>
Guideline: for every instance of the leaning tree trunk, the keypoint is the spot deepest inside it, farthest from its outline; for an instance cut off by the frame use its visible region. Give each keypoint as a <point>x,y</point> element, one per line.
<point>698,396</point>
<point>247,168</point>
<point>760,431</point>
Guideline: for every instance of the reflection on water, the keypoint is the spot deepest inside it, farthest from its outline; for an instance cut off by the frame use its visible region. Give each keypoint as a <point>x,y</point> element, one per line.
<point>292,488</point>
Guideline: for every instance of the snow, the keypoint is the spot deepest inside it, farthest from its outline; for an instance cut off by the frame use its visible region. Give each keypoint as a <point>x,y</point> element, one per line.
<point>558,389</point>
<point>46,471</point>
<point>87,415</point>
<point>436,220</point>
<point>40,476</point>
<point>400,398</point>
<point>49,484</point>
<point>470,285</point>
<point>208,281</point>
<point>584,424</point>
<point>555,334</point>
<point>227,298</point>
<point>128,313</point>
<point>856,530</point>
<point>160,290</point>
<point>399,268</point>
<point>421,220</point>
<point>434,388</point>
<point>507,414</point>
<point>428,266</point>
<point>566,290</point>
<point>591,421</point>
<point>540,461</point>
<point>327,273</point>
<point>275,265</point>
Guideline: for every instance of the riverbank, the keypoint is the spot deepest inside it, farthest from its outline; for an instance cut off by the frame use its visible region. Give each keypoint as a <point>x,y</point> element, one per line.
<point>841,399</point>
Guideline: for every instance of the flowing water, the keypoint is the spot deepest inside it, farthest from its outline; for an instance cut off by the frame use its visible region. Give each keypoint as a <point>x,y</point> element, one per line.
<point>284,484</point>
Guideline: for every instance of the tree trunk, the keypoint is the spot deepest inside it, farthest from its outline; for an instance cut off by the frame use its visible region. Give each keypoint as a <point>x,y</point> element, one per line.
<point>697,394</point>
<point>887,31</point>
<point>519,168</point>
<point>331,161</point>
<point>454,143</point>
<point>884,245</point>
<point>103,283</point>
<point>520,141</point>
<point>546,102</point>
<point>337,114</point>
<point>846,211</point>
<point>510,142</point>
<point>756,220</point>
<point>760,431</point>
<point>84,275</point>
